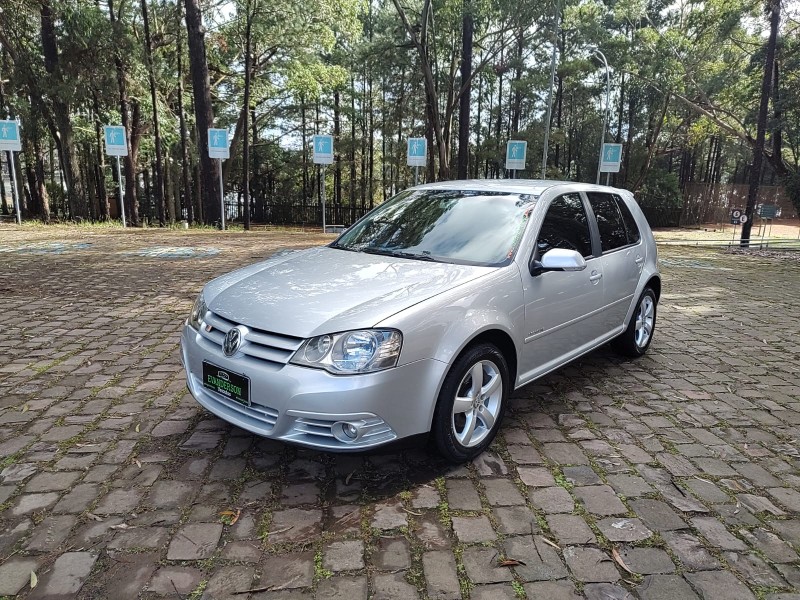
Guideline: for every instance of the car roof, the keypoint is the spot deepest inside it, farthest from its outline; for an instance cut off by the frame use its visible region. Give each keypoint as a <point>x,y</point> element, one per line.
<point>517,186</point>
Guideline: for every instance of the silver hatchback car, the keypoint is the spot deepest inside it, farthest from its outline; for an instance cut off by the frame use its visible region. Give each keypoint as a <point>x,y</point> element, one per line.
<point>424,315</point>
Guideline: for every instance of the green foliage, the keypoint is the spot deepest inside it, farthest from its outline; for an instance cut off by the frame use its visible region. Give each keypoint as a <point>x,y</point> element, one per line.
<point>660,190</point>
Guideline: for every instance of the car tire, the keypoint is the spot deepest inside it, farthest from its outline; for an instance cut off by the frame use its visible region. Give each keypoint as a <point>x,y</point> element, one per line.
<point>636,338</point>
<point>463,427</point>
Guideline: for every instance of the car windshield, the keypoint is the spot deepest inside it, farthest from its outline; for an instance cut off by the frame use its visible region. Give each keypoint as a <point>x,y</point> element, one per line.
<point>467,227</point>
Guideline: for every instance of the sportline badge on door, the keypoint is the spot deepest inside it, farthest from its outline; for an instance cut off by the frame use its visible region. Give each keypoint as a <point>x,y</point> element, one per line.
<point>425,315</point>
<point>234,386</point>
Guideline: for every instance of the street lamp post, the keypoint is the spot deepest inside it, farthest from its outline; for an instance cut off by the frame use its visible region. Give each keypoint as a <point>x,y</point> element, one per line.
<point>597,52</point>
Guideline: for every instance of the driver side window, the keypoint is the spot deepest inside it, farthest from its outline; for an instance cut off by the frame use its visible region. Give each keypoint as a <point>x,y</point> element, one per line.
<point>565,226</point>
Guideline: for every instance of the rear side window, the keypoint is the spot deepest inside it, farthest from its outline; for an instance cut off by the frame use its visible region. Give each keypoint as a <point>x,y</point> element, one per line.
<point>565,226</point>
<point>609,221</point>
<point>630,223</point>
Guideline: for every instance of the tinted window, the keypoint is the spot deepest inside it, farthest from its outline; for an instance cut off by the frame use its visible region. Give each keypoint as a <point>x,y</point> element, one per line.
<point>609,221</point>
<point>630,223</point>
<point>565,226</point>
<point>462,226</point>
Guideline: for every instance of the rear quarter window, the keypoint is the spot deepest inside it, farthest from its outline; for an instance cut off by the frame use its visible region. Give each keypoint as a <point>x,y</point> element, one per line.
<point>613,233</point>
<point>631,228</point>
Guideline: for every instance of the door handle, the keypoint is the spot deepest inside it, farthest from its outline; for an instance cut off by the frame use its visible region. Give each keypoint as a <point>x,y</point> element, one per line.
<point>595,277</point>
<point>639,260</point>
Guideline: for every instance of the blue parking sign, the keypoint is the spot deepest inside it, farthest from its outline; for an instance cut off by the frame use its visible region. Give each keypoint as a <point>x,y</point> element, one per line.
<point>323,149</point>
<point>218,143</point>
<point>612,158</point>
<point>116,144</point>
<point>9,136</point>
<point>515,154</point>
<point>417,152</point>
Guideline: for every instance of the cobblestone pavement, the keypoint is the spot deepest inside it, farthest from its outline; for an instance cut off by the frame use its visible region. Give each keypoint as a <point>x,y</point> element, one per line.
<point>671,477</point>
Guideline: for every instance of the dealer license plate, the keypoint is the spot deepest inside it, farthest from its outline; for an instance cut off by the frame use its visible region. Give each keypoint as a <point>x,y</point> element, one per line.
<point>227,383</point>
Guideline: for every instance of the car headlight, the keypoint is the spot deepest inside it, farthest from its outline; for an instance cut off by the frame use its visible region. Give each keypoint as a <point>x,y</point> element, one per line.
<point>350,352</point>
<point>198,311</point>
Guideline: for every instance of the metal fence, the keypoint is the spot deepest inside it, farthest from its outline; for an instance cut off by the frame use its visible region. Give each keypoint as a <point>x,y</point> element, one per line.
<point>711,203</point>
<point>291,214</point>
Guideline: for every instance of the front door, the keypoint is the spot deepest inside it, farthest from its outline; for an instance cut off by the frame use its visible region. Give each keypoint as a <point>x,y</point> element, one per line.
<point>562,309</point>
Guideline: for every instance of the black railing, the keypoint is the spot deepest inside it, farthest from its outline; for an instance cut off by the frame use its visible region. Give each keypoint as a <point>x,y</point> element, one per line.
<point>289,214</point>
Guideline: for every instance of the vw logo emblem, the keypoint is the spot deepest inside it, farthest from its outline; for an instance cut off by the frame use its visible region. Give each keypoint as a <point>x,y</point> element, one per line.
<point>232,341</point>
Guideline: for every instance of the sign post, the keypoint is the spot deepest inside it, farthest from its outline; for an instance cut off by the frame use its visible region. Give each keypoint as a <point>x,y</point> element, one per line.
<point>117,145</point>
<point>10,141</point>
<point>516,151</point>
<point>610,160</point>
<point>417,155</point>
<point>218,148</point>
<point>323,155</point>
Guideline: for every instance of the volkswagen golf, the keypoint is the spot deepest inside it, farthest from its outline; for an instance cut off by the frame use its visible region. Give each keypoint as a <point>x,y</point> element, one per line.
<point>424,315</point>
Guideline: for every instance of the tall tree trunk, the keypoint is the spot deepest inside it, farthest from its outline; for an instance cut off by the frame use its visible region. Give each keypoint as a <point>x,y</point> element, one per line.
<point>187,192</point>
<point>100,164</point>
<point>774,7</point>
<point>61,112</point>
<point>129,161</point>
<point>337,141</point>
<point>204,115</point>
<point>467,29</point>
<point>246,139</point>
<point>159,181</point>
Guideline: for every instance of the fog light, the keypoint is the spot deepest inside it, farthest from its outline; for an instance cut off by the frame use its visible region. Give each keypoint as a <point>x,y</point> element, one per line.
<point>347,432</point>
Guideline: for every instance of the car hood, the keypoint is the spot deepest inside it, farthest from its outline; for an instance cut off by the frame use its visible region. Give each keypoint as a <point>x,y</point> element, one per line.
<point>325,290</point>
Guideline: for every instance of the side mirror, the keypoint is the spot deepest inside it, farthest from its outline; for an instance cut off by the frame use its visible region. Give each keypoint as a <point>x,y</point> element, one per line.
<point>558,259</point>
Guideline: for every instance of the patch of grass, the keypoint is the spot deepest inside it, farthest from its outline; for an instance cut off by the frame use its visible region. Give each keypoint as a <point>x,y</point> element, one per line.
<point>519,591</point>
<point>9,460</point>
<point>198,591</point>
<point>320,572</point>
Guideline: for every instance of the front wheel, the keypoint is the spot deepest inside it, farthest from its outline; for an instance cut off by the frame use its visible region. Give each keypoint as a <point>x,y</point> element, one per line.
<point>636,339</point>
<point>471,403</point>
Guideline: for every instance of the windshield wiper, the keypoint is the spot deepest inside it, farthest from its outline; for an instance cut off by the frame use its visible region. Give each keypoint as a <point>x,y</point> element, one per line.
<point>398,254</point>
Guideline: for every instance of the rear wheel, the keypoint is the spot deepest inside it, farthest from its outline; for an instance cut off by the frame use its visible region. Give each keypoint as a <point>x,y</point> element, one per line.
<point>636,339</point>
<point>471,403</point>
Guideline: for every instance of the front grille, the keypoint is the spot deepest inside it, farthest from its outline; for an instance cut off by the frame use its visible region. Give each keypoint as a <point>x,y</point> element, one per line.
<point>266,346</point>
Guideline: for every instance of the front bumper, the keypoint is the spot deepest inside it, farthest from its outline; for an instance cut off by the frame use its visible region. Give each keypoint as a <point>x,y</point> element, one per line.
<point>306,406</point>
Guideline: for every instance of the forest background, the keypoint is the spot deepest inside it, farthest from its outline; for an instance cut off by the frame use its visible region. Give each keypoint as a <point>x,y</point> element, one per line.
<point>701,91</point>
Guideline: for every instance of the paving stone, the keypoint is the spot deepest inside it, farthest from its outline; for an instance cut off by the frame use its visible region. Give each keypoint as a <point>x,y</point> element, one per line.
<point>665,587</point>
<point>481,566</point>
<point>619,529</point>
<point>583,475</point>
<point>536,476</point>
<point>430,533</point>
<point>52,482</point>
<point>440,575</point>
<point>28,503</point>
<point>657,515</point>
<point>473,529</point>
<point>50,533</point>
<point>630,486</point>
<point>524,454</point>
<point>15,574</point>
<point>647,561</point>
<point>288,571</point>
<point>502,492</point>
<point>295,525</point>
<point>495,591</point>
<point>590,565</point>
<point>600,500</point>
<point>787,497</point>
<point>759,504</point>
<point>706,490</point>
<point>118,502</point>
<point>194,541</point>
<point>344,556</point>
<point>542,562</point>
<point>226,581</point>
<point>788,530</point>
<point>345,519</point>
<point>66,577</point>
<point>169,493</point>
<point>169,580</point>
<point>300,493</point>
<point>167,428</point>
<point>6,491</point>
<point>342,588</point>
<point>719,585</point>
<point>489,464</point>
<point>570,530</point>
<point>425,497</point>
<point>462,495</point>
<point>393,586</point>
<point>129,573</point>
<point>552,500</point>
<point>606,591</point>
<point>754,570</point>
<point>551,590</point>
<point>690,551</point>
<point>515,520</point>
<point>565,454</point>
<point>717,535</point>
<point>393,554</point>
<point>389,516</point>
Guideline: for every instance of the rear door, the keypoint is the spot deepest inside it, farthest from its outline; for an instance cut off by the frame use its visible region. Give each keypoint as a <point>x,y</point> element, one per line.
<point>562,309</point>
<point>623,254</point>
